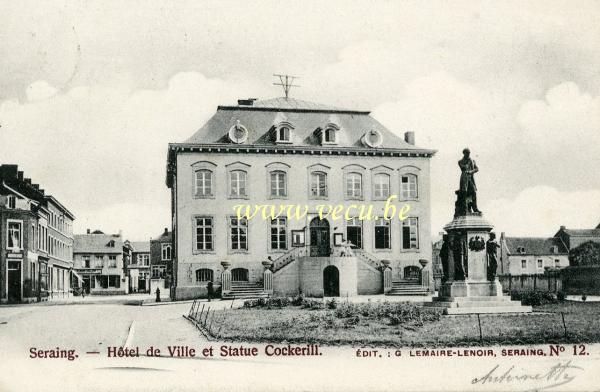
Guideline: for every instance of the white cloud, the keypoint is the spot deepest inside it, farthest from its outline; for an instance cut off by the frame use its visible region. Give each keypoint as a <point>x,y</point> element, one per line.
<point>101,149</point>
<point>540,211</point>
<point>40,90</point>
<point>566,121</point>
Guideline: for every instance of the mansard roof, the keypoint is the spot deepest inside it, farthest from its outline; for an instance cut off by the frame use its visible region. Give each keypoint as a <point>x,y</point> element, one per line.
<point>260,117</point>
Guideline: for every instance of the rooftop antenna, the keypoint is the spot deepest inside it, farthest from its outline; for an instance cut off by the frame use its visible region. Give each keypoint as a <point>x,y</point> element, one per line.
<point>287,82</point>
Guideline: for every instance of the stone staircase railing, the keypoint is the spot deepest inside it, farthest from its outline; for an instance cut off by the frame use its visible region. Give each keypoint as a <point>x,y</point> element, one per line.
<point>288,257</point>
<point>370,259</point>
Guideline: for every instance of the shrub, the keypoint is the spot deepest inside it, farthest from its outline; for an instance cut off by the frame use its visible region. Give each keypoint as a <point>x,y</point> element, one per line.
<point>535,297</point>
<point>331,304</point>
<point>312,304</point>
<point>297,300</point>
<point>561,296</point>
<point>393,313</point>
<point>274,302</point>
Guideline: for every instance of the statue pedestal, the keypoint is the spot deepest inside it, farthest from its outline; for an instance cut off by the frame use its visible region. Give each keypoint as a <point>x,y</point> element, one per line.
<point>467,289</point>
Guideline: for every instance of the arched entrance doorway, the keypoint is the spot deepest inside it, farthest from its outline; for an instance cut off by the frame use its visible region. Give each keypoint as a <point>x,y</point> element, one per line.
<point>239,275</point>
<point>319,238</point>
<point>412,272</point>
<point>331,281</point>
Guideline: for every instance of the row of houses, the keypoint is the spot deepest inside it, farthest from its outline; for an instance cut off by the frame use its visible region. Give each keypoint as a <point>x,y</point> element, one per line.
<point>107,264</point>
<point>534,255</point>
<point>42,259</point>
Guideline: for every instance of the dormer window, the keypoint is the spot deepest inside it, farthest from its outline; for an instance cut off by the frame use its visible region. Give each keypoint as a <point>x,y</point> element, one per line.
<point>329,134</point>
<point>283,132</point>
<point>521,249</point>
<point>111,244</point>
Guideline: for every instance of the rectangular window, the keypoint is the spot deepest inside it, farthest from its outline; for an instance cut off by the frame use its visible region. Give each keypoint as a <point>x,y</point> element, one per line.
<point>146,259</point>
<point>114,281</point>
<point>11,202</point>
<point>14,235</point>
<point>382,234</point>
<point>279,234</point>
<point>238,181</point>
<point>318,184</point>
<point>204,183</point>
<point>166,252</point>
<point>238,229</point>
<point>354,185</point>
<point>158,271</point>
<point>99,261</point>
<point>540,263</point>
<point>354,232</point>
<point>86,262</point>
<point>408,186</point>
<point>381,185</point>
<point>556,263</point>
<point>278,184</point>
<point>523,264</point>
<point>112,261</point>
<point>204,233</point>
<point>410,233</point>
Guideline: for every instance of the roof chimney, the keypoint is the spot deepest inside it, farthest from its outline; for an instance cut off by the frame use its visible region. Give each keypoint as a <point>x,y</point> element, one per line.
<point>166,230</point>
<point>409,137</point>
<point>563,227</point>
<point>20,175</point>
<point>246,102</point>
<point>88,231</point>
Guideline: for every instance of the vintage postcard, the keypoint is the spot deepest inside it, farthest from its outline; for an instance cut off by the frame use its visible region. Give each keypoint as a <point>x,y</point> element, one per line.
<point>300,196</point>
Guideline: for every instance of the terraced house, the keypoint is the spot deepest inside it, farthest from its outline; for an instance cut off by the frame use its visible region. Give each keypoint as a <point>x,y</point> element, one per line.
<point>36,241</point>
<point>289,152</point>
<point>99,259</point>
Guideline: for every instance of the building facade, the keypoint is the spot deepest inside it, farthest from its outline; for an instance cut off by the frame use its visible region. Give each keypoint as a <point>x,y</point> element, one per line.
<point>572,238</point>
<point>138,268</point>
<point>35,240</point>
<point>99,261</point>
<point>283,153</point>
<point>161,262</point>
<point>531,255</point>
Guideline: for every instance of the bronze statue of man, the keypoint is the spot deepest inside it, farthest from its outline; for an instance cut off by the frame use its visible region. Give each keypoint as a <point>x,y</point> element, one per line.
<point>468,189</point>
<point>491,248</point>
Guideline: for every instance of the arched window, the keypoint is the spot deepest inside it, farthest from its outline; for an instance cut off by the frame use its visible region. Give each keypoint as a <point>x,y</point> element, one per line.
<point>204,275</point>
<point>330,135</point>
<point>237,183</point>
<point>278,184</point>
<point>166,252</point>
<point>204,183</point>
<point>408,186</point>
<point>283,134</point>
<point>354,185</point>
<point>318,184</point>
<point>381,186</point>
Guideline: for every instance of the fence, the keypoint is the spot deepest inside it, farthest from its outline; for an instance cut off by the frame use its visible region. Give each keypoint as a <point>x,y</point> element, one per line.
<point>204,319</point>
<point>549,281</point>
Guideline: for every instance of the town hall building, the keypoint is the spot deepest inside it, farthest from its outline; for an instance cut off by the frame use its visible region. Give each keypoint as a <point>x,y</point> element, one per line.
<point>288,152</point>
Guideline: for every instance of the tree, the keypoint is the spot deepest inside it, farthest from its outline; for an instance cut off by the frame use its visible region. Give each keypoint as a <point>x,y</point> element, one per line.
<point>587,253</point>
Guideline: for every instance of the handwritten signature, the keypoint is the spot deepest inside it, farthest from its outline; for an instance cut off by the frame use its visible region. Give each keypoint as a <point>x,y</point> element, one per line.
<point>557,375</point>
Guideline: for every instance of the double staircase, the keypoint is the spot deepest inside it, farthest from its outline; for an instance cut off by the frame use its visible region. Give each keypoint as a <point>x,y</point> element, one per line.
<point>245,290</point>
<point>410,286</point>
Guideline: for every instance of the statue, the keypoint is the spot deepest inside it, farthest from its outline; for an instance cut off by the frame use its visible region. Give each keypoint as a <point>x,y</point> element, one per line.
<point>491,247</point>
<point>459,253</point>
<point>467,194</point>
<point>444,254</point>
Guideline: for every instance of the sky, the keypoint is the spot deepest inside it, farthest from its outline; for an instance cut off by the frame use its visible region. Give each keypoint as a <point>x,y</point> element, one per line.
<point>92,92</point>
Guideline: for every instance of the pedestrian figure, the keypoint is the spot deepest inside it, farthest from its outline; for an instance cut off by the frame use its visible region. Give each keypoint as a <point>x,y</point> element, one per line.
<point>157,294</point>
<point>209,288</point>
